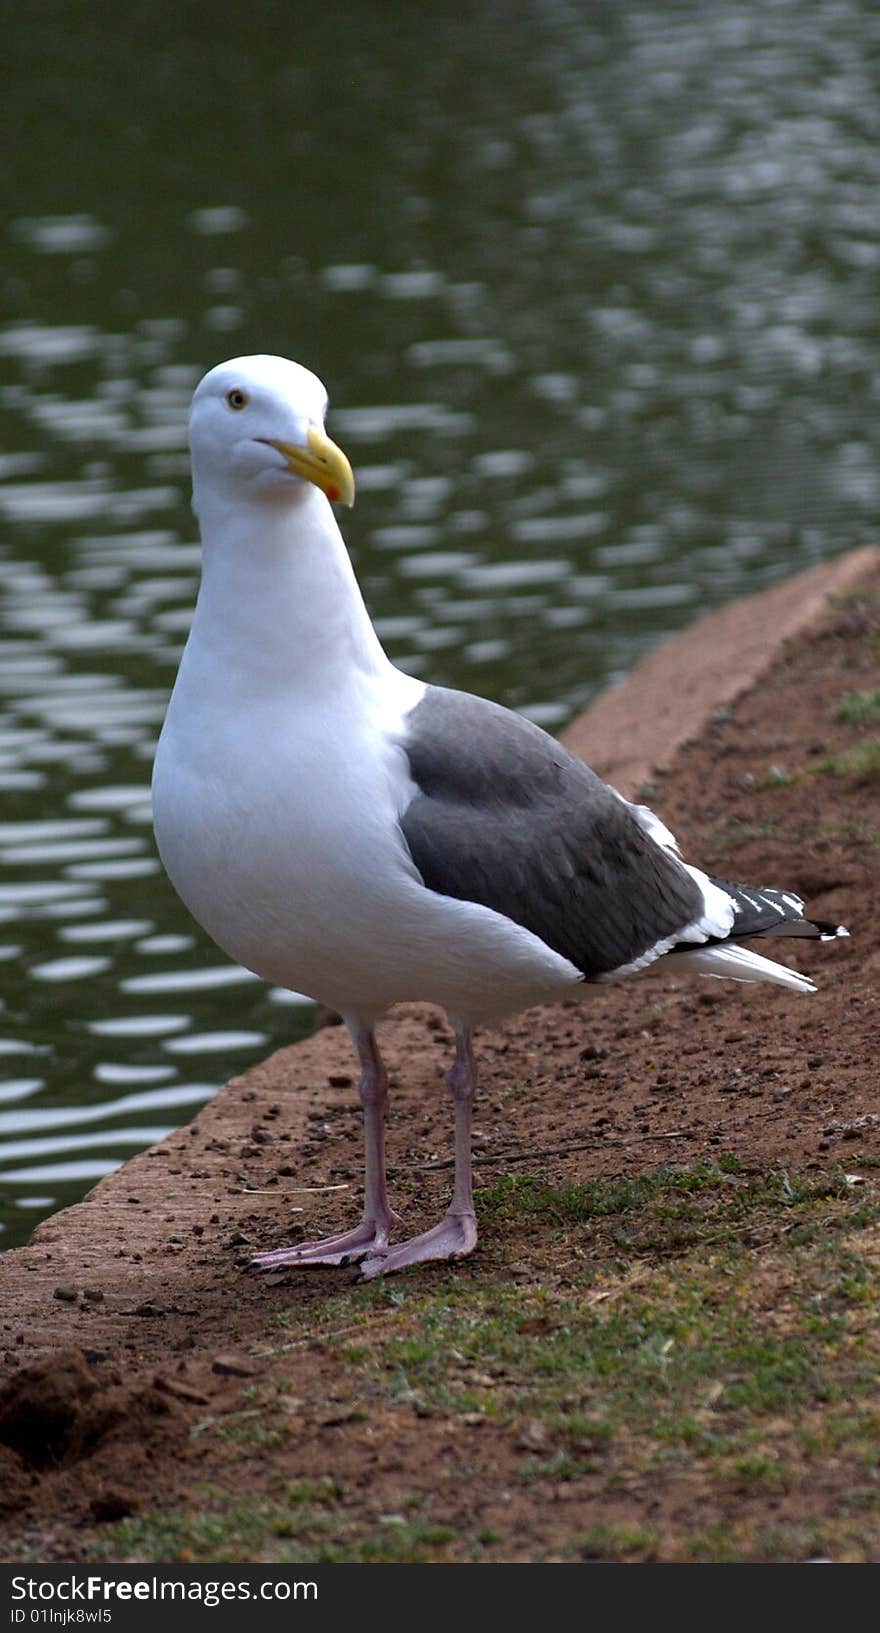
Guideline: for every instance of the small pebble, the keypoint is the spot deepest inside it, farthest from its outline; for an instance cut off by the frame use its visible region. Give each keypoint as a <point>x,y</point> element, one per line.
<point>532,1436</point>
<point>233,1366</point>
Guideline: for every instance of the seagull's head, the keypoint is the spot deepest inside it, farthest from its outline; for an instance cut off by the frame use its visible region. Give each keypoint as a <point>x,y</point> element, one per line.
<point>257,430</point>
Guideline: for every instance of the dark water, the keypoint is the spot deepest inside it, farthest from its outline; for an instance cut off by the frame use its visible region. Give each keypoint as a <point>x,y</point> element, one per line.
<point>594,289</point>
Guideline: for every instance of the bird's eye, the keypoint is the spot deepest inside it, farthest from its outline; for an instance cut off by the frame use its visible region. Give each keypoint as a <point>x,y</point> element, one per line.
<point>236,399</point>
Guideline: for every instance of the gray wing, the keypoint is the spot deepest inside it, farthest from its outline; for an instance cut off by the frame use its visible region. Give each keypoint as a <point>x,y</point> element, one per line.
<point>506,817</point>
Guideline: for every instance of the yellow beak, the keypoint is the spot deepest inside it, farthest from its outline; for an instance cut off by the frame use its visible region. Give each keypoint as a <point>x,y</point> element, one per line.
<point>322,463</point>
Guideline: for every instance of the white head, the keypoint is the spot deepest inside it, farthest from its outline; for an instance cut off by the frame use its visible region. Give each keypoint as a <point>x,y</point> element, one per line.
<point>256,431</point>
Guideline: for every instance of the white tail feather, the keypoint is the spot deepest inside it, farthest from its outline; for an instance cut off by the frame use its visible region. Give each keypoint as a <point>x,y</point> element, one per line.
<point>740,964</point>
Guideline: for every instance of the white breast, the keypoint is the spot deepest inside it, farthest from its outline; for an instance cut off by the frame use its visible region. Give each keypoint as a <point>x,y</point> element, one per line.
<point>281,836</point>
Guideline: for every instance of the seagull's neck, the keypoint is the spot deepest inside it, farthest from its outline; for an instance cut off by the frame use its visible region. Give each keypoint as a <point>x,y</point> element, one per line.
<point>279,600</point>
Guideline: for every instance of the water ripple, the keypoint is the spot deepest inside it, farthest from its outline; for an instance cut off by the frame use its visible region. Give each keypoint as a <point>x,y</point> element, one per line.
<point>133,1139</point>
<point>113,797</point>
<point>50,344</point>
<point>61,234</point>
<point>69,969</point>
<point>63,1173</point>
<point>139,1026</point>
<point>222,975</point>
<point>207,1043</point>
<point>19,1088</point>
<point>73,850</point>
<point>183,1094</point>
<point>106,930</point>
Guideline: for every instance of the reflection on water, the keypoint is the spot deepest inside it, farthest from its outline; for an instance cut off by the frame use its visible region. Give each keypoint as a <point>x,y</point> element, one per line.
<point>595,297</point>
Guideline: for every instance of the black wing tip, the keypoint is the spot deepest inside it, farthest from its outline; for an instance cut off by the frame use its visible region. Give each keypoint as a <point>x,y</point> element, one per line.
<point>764,911</point>
<point>828,931</point>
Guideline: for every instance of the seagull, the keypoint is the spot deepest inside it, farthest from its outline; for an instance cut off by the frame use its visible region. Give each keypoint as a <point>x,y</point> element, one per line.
<point>350,832</point>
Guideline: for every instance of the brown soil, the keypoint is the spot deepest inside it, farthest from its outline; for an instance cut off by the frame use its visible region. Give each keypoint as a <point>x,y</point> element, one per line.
<point>131,1319</point>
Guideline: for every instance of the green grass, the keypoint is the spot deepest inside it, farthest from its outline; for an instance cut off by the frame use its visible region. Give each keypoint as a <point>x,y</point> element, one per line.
<point>616,1543</point>
<point>776,776</point>
<point>633,1356</point>
<point>637,1362</point>
<point>238,1531</point>
<point>645,1357</point>
<point>858,829</point>
<point>741,833</point>
<point>235,1530</point>
<point>859,763</point>
<point>705,1195</point>
<point>859,708</point>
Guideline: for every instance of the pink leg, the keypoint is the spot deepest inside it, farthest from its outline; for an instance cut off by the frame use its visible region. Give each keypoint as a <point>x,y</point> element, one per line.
<point>371,1235</point>
<point>456,1235</point>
